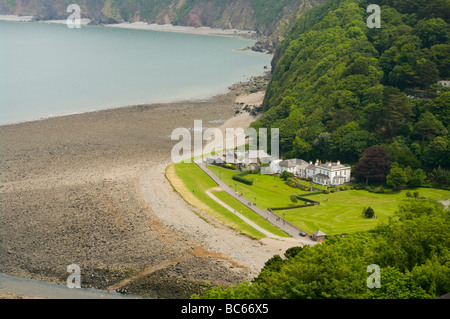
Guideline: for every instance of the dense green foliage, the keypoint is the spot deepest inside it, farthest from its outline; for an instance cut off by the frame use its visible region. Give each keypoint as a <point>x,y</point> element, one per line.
<point>240,177</point>
<point>339,87</point>
<point>412,250</point>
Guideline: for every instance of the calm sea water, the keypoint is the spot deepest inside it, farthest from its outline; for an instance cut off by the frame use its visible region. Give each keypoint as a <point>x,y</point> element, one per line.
<point>50,70</point>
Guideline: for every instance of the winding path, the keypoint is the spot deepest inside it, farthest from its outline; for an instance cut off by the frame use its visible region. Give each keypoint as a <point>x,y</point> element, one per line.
<point>274,219</point>
<point>245,219</point>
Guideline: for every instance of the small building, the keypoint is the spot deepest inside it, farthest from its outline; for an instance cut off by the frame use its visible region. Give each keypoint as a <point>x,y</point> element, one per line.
<point>275,166</point>
<point>310,170</point>
<point>319,236</point>
<point>214,159</point>
<point>290,165</point>
<point>301,169</point>
<point>444,83</point>
<point>260,156</point>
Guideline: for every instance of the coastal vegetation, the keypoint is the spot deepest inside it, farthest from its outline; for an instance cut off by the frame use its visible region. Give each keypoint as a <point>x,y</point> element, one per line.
<point>339,88</point>
<point>367,97</point>
<point>339,210</point>
<point>411,250</point>
<point>339,91</point>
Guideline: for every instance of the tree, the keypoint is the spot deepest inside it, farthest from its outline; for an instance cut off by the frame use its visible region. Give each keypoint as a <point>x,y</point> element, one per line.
<point>368,212</point>
<point>427,73</point>
<point>440,108</point>
<point>428,126</point>
<point>432,31</point>
<point>396,178</point>
<point>418,178</point>
<point>293,199</point>
<point>301,148</point>
<point>403,155</point>
<point>374,164</point>
<point>397,111</point>
<point>396,285</point>
<point>285,175</point>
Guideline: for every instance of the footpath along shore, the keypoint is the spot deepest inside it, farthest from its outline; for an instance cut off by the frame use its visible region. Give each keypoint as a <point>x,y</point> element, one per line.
<point>274,219</point>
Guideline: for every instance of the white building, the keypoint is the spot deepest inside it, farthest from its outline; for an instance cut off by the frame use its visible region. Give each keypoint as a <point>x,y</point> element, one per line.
<point>331,174</point>
<point>292,165</point>
<point>444,83</point>
<point>211,159</point>
<point>275,166</point>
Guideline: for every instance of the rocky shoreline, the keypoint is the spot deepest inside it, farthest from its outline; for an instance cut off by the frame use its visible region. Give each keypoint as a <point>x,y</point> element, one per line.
<point>89,189</point>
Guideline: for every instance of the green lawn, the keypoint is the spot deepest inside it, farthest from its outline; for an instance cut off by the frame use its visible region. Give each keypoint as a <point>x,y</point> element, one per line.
<point>244,210</point>
<point>194,184</point>
<point>266,191</point>
<point>342,213</point>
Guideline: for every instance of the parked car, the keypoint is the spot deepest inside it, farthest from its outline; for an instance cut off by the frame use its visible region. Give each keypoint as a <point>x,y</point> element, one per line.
<point>303,234</point>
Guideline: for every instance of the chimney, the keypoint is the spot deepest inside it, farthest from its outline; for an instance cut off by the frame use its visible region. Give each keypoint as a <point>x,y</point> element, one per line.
<point>339,162</point>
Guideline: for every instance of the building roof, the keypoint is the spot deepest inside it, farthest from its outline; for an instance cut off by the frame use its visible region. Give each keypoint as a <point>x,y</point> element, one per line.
<point>311,167</point>
<point>332,166</point>
<point>258,154</point>
<point>287,164</point>
<point>319,233</point>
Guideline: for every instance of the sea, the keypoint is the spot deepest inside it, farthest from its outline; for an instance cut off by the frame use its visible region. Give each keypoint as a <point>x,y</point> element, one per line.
<point>49,70</point>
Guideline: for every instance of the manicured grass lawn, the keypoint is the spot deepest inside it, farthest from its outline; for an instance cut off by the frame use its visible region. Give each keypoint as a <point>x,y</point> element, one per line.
<point>342,213</point>
<point>244,210</point>
<point>266,191</point>
<point>194,184</point>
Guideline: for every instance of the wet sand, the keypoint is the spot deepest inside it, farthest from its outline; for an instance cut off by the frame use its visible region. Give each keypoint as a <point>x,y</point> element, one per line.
<point>89,189</point>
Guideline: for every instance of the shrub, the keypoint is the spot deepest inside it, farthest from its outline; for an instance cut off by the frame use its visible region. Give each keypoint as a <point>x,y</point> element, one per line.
<point>294,199</point>
<point>368,212</point>
<point>240,178</point>
<point>285,175</point>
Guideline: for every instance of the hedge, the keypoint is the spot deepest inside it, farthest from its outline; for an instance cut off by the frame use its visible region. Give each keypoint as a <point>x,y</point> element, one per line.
<point>240,178</point>
<point>291,207</point>
<point>310,194</point>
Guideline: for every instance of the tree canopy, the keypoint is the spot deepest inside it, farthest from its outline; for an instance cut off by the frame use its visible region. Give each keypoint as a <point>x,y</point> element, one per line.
<point>412,251</point>
<point>339,87</point>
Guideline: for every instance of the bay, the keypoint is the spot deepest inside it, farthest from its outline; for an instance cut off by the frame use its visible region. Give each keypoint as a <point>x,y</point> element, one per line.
<point>50,70</point>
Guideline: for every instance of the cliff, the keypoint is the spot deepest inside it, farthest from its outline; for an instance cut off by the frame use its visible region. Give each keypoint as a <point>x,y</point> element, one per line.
<point>270,18</point>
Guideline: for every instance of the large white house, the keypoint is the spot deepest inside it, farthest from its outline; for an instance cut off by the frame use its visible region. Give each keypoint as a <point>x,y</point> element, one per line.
<point>329,174</point>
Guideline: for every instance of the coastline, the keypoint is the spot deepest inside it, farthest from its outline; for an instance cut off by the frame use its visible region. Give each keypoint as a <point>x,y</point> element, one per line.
<point>92,188</point>
<point>148,26</point>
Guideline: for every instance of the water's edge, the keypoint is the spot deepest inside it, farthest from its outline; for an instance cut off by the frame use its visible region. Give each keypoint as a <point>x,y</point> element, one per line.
<point>32,288</point>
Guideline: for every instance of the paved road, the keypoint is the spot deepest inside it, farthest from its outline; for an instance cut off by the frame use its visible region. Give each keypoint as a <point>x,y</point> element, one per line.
<point>245,219</point>
<point>269,216</point>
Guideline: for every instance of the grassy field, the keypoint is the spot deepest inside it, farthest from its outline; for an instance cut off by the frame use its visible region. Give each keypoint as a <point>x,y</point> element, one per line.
<point>191,182</point>
<point>266,191</point>
<point>342,212</point>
